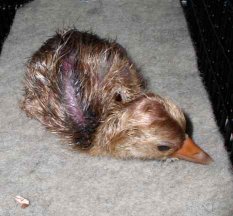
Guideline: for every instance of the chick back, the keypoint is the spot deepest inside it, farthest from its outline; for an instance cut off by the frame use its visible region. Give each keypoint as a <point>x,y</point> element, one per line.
<point>74,81</point>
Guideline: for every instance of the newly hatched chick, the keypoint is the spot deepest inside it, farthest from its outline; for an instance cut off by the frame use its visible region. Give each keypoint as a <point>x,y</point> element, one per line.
<point>90,92</point>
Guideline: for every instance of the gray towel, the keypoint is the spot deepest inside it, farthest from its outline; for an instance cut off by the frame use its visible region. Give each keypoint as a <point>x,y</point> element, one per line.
<point>36,165</point>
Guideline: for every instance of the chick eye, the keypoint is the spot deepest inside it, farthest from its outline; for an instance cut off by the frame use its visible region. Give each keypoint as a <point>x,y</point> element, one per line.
<point>118,97</point>
<point>163,148</point>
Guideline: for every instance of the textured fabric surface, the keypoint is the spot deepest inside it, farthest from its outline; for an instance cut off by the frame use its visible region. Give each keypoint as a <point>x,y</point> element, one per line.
<point>57,181</point>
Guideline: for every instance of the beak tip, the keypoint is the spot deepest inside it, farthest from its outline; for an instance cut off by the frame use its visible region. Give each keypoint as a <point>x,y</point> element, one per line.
<point>209,160</point>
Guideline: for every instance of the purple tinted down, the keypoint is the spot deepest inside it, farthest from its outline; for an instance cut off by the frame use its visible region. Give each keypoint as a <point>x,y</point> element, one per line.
<point>72,103</point>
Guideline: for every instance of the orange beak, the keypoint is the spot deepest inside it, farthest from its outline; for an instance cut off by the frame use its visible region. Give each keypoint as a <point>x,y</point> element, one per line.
<point>192,152</point>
